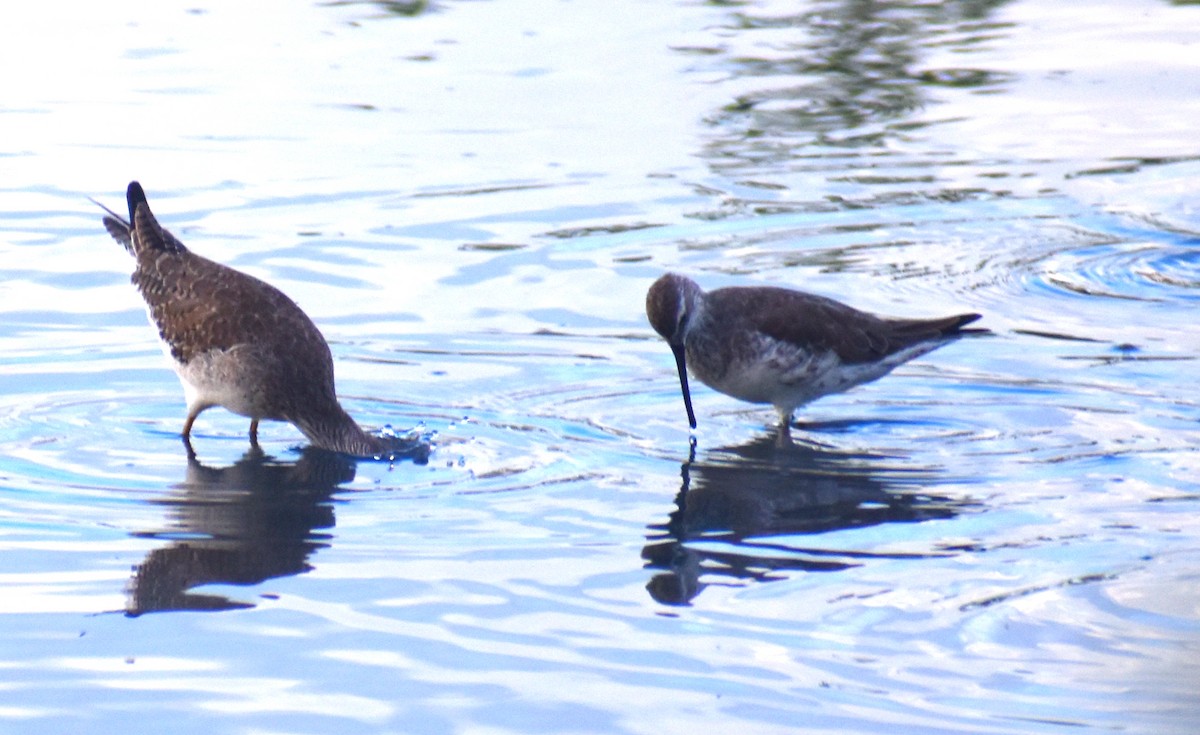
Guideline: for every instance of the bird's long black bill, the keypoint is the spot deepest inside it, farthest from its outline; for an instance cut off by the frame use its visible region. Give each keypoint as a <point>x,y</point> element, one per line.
<point>681,365</point>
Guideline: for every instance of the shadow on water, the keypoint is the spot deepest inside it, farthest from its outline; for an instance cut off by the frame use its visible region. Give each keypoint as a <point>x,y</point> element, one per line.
<point>743,495</point>
<point>256,519</point>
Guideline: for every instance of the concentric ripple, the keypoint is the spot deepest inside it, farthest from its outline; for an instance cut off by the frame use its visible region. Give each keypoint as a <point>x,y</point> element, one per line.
<point>1140,271</point>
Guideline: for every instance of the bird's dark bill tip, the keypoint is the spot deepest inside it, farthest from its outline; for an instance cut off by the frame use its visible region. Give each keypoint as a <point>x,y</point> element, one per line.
<point>681,366</point>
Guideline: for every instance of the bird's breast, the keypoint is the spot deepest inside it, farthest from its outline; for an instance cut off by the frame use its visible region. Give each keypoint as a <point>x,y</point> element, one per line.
<point>754,367</point>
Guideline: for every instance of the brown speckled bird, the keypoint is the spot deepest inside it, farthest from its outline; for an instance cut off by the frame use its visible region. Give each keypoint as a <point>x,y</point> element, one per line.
<point>236,341</point>
<point>773,345</point>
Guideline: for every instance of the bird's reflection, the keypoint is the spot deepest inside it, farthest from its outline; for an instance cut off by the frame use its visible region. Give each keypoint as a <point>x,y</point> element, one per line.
<point>256,519</point>
<point>740,497</point>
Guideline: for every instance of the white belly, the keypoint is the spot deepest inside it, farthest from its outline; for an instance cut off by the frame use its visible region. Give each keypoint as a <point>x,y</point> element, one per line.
<point>227,378</point>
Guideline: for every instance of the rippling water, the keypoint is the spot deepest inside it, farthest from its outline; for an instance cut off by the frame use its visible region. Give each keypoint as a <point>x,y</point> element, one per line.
<point>471,199</point>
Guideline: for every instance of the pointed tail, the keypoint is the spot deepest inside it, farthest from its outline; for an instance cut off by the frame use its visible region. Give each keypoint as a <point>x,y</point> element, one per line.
<point>914,331</point>
<point>142,231</point>
<point>954,324</point>
<point>120,229</point>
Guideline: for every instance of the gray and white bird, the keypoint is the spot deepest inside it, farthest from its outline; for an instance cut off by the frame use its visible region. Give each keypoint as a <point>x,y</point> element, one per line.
<point>765,344</point>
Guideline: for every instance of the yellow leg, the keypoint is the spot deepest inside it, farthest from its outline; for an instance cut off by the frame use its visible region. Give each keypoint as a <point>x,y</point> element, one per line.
<point>783,434</point>
<point>187,425</point>
<point>187,433</point>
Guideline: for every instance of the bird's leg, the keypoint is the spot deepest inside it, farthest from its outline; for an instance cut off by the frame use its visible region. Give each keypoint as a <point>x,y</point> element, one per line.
<point>187,425</point>
<point>187,432</point>
<point>254,432</point>
<point>783,435</point>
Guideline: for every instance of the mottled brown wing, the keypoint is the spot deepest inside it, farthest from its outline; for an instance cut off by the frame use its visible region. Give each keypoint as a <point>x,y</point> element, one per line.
<point>118,228</point>
<point>119,231</point>
<point>189,299</point>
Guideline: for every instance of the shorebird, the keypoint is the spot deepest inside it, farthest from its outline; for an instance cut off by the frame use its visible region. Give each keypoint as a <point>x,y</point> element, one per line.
<point>236,341</point>
<point>765,344</point>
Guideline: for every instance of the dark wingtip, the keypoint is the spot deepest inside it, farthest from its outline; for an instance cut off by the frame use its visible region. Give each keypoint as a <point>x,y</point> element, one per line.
<point>956,324</point>
<point>150,235</point>
<point>134,196</point>
<point>965,319</point>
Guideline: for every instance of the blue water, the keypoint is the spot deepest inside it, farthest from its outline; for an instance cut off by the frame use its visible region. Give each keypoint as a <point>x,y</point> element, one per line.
<point>470,199</point>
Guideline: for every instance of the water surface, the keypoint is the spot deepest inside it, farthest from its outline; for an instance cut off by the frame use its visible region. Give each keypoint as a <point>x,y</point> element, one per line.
<point>470,199</point>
